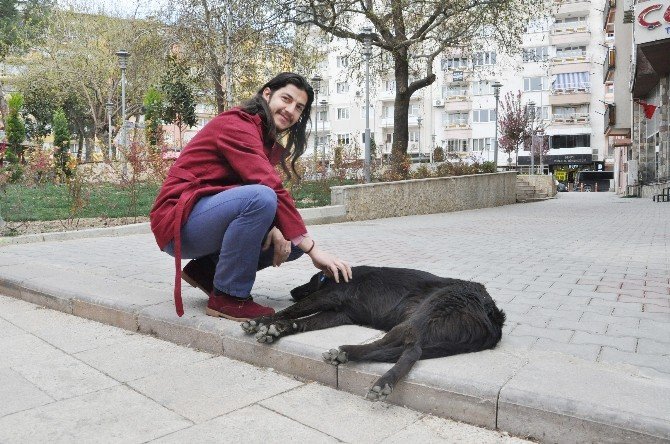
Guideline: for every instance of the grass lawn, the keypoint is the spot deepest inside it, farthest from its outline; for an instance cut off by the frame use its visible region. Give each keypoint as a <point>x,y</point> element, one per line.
<point>20,203</point>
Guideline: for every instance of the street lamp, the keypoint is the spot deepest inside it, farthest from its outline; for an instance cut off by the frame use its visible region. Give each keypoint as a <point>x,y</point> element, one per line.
<point>496,94</point>
<point>367,52</point>
<point>316,81</point>
<point>110,107</point>
<point>324,103</point>
<point>123,56</point>
<point>418,121</point>
<point>531,114</point>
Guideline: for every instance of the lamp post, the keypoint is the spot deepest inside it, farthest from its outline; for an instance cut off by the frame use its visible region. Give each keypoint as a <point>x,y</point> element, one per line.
<point>324,103</point>
<point>367,52</point>
<point>432,149</point>
<point>123,56</point>
<point>496,94</point>
<point>418,122</point>
<point>531,116</point>
<point>316,81</point>
<point>110,107</point>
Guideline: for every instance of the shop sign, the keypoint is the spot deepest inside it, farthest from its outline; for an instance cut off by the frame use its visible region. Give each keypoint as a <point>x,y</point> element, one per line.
<point>652,21</point>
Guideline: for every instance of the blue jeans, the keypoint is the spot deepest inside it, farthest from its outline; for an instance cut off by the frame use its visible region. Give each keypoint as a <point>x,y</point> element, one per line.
<point>231,227</point>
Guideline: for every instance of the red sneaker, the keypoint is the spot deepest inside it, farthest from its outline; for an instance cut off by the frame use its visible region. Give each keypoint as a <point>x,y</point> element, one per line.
<point>199,273</point>
<point>229,307</point>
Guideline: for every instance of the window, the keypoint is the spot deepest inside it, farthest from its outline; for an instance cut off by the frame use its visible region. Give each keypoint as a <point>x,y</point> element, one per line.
<point>454,89</point>
<point>571,51</point>
<point>570,111</point>
<point>389,137</point>
<point>387,112</point>
<point>454,63</point>
<point>538,25</point>
<point>372,112</point>
<point>483,115</point>
<point>322,116</point>
<point>482,144</point>
<point>389,85</point>
<point>571,141</point>
<point>571,21</point>
<point>413,136</point>
<point>342,113</point>
<point>536,54</point>
<point>572,81</point>
<point>534,83</point>
<point>482,88</point>
<point>342,87</point>
<point>455,118</point>
<point>322,140</point>
<point>414,110</point>
<point>484,58</point>
<point>342,61</point>
<point>455,145</point>
<point>343,139</point>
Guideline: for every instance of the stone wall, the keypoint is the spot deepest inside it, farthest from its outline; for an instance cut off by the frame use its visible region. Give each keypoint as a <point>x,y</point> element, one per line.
<point>542,182</point>
<point>425,196</point>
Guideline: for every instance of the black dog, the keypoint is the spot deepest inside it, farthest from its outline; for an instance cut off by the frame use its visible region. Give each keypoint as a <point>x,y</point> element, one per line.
<point>426,316</point>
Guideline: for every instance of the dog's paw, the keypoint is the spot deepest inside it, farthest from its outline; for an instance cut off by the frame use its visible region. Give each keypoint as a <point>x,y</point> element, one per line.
<point>335,356</point>
<point>378,393</point>
<point>250,326</point>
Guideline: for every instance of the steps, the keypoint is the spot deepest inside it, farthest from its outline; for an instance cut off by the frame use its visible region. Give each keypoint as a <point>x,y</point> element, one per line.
<point>525,192</point>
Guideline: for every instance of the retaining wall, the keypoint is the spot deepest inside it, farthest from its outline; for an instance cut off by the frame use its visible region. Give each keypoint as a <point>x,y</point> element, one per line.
<point>425,196</point>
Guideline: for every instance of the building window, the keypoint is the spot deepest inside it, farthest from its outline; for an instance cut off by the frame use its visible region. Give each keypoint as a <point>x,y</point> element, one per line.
<point>482,88</point>
<point>372,111</point>
<point>571,81</point>
<point>342,87</point>
<point>389,85</point>
<point>457,118</point>
<point>342,61</point>
<point>482,144</point>
<point>454,63</point>
<point>342,113</point>
<point>414,110</point>
<point>389,137</point>
<point>484,58</point>
<point>534,84</point>
<point>454,90</point>
<point>536,54</point>
<point>387,112</point>
<point>413,136</point>
<point>571,141</point>
<point>539,25</point>
<point>322,140</point>
<point>322,116</point>
<point>343,139</point>
<point>571,51</point>
<point>483,115</point>
<point>456,145</point>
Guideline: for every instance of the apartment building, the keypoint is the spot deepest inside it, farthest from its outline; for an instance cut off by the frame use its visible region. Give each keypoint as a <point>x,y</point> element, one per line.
<point>559,69</point>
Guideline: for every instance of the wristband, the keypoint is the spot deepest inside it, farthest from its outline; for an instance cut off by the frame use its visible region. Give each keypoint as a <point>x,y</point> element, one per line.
<point>311,248</point>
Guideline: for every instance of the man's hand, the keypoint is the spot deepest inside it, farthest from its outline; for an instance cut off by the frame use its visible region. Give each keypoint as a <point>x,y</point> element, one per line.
<point>282,247</point>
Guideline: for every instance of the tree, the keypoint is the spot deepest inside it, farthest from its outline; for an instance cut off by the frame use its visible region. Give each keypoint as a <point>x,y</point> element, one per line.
<point>21,22</point>
<point>179,100</point>
<point>410,35</point>
<point>62,136</point>
<point>16,128</point>
<point>153,117</point>
<point>514,122</point>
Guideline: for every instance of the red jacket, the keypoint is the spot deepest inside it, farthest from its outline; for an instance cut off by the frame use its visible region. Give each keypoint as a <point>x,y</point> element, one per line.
<point>228,152</point>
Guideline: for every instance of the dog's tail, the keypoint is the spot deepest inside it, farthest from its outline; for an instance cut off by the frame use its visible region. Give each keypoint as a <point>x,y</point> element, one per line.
<point>497,316</point>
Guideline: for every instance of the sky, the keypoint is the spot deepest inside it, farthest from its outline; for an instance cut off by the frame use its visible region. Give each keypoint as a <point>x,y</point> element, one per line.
<point>126,8</point>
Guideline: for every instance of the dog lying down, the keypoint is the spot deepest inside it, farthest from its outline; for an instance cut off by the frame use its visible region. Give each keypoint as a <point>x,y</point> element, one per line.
<point>426,316</point>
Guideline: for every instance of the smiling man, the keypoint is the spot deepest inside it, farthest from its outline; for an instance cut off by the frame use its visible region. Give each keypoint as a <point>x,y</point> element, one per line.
<point>224,206</point>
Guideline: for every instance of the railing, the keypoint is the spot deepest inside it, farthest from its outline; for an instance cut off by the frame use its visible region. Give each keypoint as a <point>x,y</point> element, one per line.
<point>572,89</point>
<point>569,29</point>
<point>574,118</point>
<point>569,59</point>
<point>610,117</point>
<point>609,65</point>
<point>608,13</point>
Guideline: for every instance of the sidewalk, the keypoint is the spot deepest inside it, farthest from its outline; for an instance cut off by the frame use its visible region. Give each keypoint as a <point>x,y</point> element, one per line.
<point>584,280</point>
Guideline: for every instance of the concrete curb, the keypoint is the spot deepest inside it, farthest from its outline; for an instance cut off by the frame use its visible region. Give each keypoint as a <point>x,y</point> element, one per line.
<point>311,216</point>
<point>530,394</point>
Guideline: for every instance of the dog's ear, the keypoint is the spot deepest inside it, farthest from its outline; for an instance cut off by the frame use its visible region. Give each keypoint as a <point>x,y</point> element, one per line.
<point>314,284</point>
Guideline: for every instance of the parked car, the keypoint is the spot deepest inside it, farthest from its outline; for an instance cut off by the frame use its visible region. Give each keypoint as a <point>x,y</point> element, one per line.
<point>561,187</point>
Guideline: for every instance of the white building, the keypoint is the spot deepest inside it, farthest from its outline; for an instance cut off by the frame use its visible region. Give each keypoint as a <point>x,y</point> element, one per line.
<point>559,68</point>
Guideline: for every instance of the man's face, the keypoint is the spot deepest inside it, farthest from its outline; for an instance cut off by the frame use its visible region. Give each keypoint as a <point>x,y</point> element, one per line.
<point>286,105</point>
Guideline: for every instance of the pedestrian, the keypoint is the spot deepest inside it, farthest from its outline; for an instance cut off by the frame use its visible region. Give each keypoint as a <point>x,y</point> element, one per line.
<point>223,204</point>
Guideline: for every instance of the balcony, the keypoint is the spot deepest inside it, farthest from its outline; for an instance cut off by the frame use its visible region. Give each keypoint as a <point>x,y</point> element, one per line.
<point>564,7</point>
<point>562,60</point>
<point>610,118</point>
<point>570,96</point>
<point>571,119</point>
<point>608,15</point>
<point>569,34</point>
<point>609,65</point>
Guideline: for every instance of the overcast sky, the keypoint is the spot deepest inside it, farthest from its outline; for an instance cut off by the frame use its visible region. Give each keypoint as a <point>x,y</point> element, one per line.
<point>127,8</point>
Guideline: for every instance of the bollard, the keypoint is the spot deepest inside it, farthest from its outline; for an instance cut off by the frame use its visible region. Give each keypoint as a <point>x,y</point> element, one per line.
<point>581,187</point>
<point>596,187</point>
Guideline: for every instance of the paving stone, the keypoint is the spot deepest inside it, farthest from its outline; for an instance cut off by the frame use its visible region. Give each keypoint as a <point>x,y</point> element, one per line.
<point>118,414</point>
<point>329,411</point>
<point>630,322</point>
<point>650,346</point>
<point>591,327</point>
<point>620,342</point>
<point>659,363</point>
<point>19,394</point>
<point>25,349</point>
<point>550,333</point>
<point>571,314</point>
<point>585,351</point>
<point>243,425</point>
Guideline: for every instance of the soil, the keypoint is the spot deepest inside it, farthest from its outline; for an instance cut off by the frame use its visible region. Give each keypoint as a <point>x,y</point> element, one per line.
<point>36,227</point>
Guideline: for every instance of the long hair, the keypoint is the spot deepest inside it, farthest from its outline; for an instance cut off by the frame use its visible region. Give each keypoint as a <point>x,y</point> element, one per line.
<point>296,139</point>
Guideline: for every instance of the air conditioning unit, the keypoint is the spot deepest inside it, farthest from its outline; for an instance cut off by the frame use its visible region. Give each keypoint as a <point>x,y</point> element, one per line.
<point>438,102</point>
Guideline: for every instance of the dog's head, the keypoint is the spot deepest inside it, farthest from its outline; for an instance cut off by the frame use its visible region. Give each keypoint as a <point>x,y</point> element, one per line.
<point>314,284</point>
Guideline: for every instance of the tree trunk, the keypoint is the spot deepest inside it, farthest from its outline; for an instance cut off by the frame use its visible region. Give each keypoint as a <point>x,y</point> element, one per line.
<point>219,94</point>
<point>399,162</point>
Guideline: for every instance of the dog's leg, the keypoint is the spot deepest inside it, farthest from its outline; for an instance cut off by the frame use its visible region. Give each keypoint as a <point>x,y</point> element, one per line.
<point>385,349</point>
<point>285,327</point>
<point>315,303</point>
<point>384,385</point>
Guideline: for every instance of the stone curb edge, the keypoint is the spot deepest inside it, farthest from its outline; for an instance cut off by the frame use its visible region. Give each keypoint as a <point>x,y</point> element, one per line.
<point>459,403</point>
